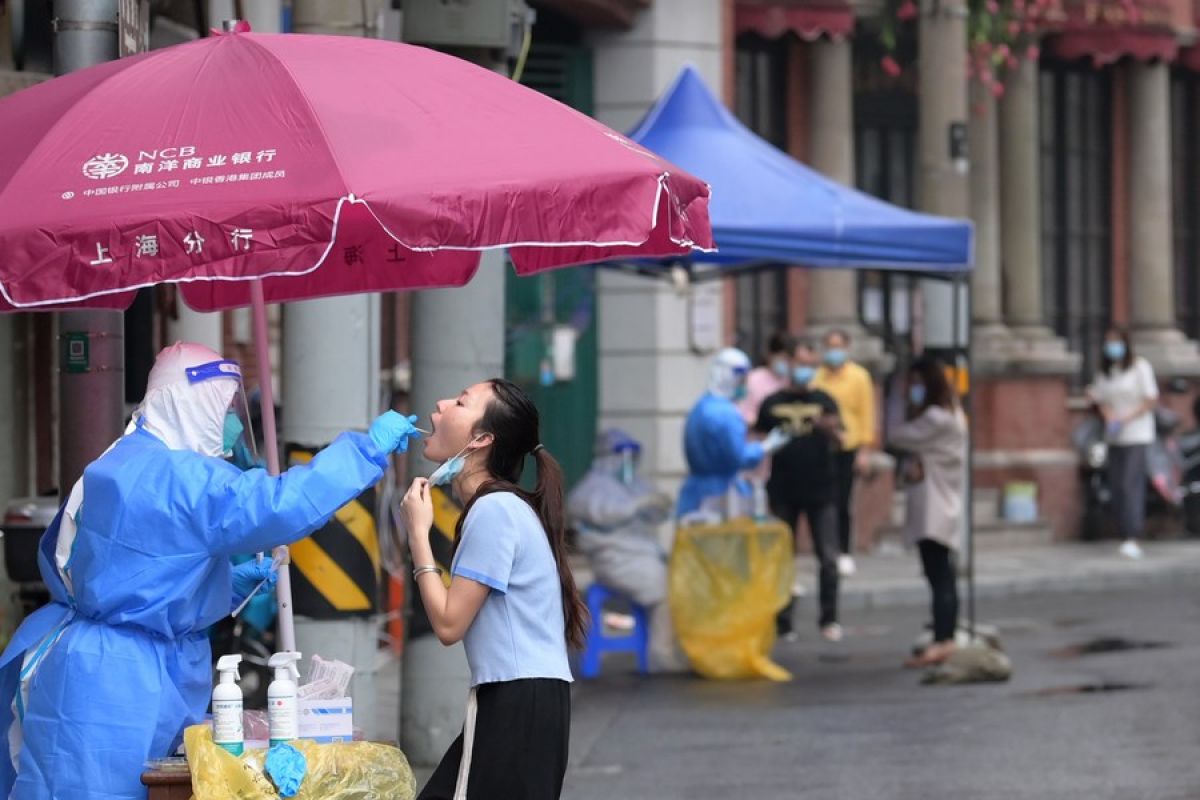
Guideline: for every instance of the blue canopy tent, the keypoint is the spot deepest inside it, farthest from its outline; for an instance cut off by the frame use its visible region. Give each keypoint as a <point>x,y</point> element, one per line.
<point>769,210</point>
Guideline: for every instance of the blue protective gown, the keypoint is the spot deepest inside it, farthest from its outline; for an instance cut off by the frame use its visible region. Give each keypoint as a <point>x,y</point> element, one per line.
<point>714,441</point>
<point>122,663</point>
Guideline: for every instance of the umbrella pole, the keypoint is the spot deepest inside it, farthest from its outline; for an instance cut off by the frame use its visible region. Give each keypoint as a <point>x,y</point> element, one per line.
<point>262,349</point>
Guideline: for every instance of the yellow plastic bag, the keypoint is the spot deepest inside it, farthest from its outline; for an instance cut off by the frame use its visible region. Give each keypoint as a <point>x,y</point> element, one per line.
<point>727,584</point>
<point>350,771</point>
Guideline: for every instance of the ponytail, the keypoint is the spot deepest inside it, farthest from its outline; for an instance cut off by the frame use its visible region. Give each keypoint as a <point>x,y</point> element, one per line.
<point>547,502</point>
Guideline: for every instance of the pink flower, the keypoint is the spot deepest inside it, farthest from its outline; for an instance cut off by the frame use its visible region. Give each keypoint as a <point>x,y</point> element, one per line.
<point>1003,52</point>
<point>997,90</point>
<point>993,7</point>
<point>907,11</point>
<point>1014,28</point>
<point>890,66</point>
<point>1033,53</point>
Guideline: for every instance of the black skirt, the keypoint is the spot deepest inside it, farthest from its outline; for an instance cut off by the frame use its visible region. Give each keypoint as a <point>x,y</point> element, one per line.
<point>516,737</point>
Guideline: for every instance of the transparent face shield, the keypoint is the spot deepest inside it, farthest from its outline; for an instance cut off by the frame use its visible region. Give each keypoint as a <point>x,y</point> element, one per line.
<point>629,454</point>
<point>237,435</point>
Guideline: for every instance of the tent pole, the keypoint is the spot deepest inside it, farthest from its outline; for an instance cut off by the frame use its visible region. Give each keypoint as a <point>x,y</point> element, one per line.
<point>962,297</point>
<point>262,350</point>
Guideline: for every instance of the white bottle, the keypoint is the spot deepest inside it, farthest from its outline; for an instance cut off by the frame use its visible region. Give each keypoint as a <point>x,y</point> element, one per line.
<point>227,706</point>
<point>282,716</point>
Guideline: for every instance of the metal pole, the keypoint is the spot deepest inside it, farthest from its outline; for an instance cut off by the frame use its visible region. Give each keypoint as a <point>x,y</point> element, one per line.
<point>92,391</point>
<point>968,407</point>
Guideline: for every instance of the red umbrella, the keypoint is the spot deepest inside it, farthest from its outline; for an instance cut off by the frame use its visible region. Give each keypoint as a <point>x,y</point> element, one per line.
<point>252,168</point>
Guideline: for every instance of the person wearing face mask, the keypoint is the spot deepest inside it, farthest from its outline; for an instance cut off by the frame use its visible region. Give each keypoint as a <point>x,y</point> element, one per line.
<point>851,387</point>
<point>932,445</point>
<point>1127,393</point>
<point>802,477</point>
<point>137,561</point>
<point>714,437</point>
<point>511,598</point>
<point>772,375</point>
<point>616,513</point>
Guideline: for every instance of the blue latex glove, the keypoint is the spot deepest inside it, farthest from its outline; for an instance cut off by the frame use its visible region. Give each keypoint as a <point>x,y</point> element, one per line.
<point>287,767</point>
<point>391,432</point>
<point>249,574</point>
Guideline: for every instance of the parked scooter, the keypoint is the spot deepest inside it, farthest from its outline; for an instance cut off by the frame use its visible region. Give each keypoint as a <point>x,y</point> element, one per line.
<point>1189,457</point>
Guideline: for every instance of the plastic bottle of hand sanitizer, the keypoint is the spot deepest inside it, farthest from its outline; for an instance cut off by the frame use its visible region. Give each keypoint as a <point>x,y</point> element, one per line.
<point>282,716</point>
<point>227,706</point>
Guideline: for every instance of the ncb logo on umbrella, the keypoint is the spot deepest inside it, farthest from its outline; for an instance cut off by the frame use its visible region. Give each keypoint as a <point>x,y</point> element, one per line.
<point>105,166</point>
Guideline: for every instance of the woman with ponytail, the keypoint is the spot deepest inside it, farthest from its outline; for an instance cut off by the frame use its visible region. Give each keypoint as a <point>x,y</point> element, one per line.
<point>511,600</point>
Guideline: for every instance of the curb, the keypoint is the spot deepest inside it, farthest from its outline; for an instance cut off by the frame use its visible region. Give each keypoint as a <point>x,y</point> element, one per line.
<point>916,593</point>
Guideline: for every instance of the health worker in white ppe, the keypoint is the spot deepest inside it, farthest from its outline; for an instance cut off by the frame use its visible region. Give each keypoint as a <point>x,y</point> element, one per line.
<point>109,674</point>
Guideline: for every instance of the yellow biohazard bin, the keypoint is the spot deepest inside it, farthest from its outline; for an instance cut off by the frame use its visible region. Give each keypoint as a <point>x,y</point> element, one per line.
<point>728,582</point>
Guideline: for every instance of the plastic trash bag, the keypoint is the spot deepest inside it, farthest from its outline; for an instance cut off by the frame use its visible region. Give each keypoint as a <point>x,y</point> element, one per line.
<point>347,771</point>
<point>728,581</point>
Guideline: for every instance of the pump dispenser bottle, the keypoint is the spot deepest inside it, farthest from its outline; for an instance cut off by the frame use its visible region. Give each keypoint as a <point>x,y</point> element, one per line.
<point>227,706</point>
<point>282,715</point>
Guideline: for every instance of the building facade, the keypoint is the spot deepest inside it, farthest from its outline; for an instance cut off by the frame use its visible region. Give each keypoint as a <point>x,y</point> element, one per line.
<point>1083,183</point>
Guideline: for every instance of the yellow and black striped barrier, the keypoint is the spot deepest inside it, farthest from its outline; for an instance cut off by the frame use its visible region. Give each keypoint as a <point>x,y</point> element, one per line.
<point>337,571</point>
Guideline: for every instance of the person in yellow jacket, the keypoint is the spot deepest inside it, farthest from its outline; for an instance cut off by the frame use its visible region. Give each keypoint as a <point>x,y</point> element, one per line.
<point>851,387</point>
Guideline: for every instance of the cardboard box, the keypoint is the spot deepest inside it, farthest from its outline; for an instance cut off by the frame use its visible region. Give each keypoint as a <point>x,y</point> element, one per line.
<point>327,721</point>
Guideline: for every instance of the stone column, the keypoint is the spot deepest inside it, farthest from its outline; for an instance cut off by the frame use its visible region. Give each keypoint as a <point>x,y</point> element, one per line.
<point>942,186</point>
<point>992,341</point>
<point>833,293</point>
<point>1036,349</point>
<point>1151,260</point>
<point>649,374</point>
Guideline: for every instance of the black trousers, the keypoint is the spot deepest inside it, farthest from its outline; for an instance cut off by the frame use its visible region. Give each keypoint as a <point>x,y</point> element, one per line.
<point>844,477</point>
<point>1127,481</point>
<point>519,752</point>
<point>938,563</point>
<point>822,523</point>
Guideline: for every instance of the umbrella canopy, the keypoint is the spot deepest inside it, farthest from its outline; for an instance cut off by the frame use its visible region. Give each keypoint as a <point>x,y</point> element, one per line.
<point>769,207</point>
<point>322,165</point>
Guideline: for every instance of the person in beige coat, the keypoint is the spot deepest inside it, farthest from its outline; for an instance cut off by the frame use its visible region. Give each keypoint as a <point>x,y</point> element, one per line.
<point>933,444</point>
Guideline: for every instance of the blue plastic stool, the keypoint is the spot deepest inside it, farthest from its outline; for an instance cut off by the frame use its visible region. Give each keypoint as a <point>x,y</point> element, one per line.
<point>638,641</point>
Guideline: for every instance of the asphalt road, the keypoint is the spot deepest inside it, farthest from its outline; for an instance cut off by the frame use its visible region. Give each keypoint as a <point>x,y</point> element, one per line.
<point>854,724</point>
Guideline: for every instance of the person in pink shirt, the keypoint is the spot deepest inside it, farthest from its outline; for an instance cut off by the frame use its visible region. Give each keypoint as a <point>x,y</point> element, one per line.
<point>765,380</point>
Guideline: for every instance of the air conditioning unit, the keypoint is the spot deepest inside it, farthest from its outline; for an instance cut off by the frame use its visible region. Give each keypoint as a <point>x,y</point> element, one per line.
<point>497,24</point>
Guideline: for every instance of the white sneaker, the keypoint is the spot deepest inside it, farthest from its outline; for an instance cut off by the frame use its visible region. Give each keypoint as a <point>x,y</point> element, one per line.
<point>619,622</point>
<point>1132,550</point>
<point>846,566</point>
<point>833,633</point>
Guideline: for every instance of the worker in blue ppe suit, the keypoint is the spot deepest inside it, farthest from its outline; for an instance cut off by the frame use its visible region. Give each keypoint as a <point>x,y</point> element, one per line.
<point>137,562</point>
<point>714,436</point>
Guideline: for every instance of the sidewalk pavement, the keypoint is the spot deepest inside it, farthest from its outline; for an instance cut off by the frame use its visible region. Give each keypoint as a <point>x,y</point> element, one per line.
<point>887,579</point>
<point>895,579</point>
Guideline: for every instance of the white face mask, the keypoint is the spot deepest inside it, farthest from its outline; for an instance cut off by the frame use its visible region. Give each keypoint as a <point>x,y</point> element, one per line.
<point>450,468</point>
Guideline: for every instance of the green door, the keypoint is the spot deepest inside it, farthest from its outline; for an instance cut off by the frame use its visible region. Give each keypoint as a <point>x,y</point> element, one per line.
<point>558,304</point>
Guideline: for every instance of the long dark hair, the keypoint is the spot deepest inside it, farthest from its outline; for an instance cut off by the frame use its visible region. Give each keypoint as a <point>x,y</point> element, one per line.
<point>938,391</point>
<point>512,419</point>
<point>1107,365</point>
